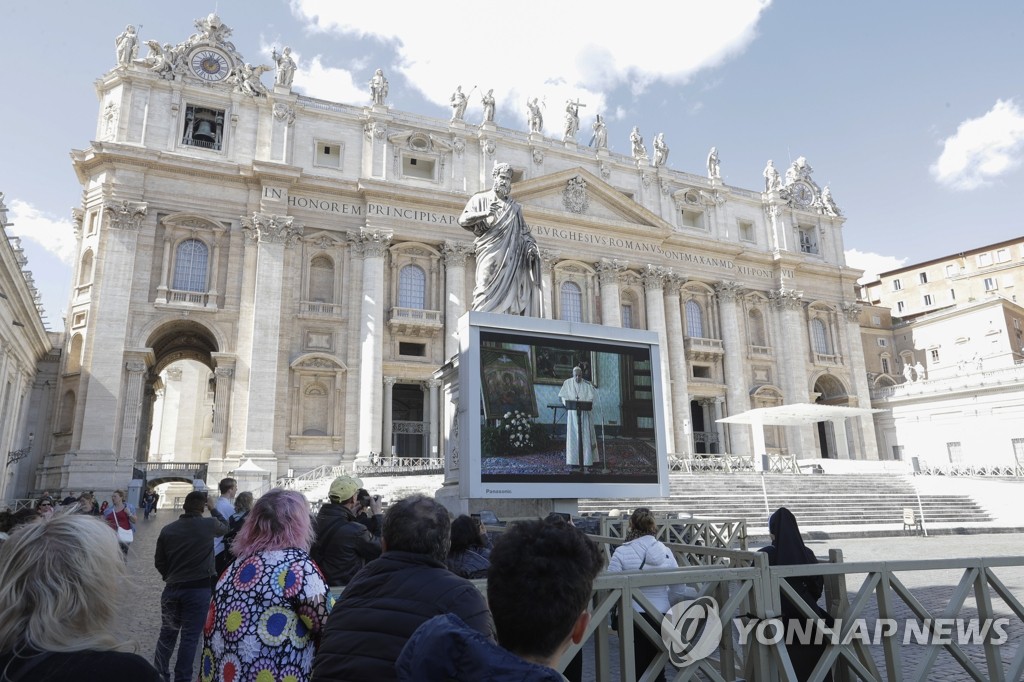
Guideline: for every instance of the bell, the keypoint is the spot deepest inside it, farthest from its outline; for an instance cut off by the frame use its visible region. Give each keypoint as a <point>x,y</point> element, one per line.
<point>204,132</point>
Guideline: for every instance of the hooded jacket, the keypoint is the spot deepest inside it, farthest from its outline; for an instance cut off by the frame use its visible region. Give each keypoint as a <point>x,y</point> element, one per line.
<point>649,552</point>
<point>343,545</point>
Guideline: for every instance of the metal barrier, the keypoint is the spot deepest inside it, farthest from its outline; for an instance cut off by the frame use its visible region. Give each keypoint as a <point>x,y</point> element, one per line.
<point>857,595</point>
<point>720,533</point>
<point>725,463</point>
<point>384,466</point>
<point>992,470</point>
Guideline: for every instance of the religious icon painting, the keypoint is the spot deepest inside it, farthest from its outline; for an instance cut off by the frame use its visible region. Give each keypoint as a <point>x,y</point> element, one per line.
<point>507,383</point>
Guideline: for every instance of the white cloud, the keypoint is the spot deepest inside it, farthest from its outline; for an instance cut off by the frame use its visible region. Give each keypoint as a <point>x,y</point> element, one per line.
<point>55,235</point>
<point>524,51</point>
<point>872,264</point>
<point>982,148</point>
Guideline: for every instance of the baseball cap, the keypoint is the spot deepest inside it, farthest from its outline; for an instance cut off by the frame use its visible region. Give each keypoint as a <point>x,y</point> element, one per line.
<point>344,487</point>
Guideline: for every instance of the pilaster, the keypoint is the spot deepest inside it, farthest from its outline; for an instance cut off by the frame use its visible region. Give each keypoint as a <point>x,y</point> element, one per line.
<point>455,254</point>
<point>608,275</point>
<point>676,361</point>
<point>865,442</point>
<point>372,245</point>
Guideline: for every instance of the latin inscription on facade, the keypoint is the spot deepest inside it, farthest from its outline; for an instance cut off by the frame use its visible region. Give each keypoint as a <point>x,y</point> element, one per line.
<point>637,246</point>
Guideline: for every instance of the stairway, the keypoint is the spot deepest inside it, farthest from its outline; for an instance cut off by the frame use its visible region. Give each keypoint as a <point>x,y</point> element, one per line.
<point>815,499</point>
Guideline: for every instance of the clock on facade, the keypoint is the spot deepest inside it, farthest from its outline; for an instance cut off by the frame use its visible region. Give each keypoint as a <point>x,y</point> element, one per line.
<point>209,65</point>
<point>801,193</point>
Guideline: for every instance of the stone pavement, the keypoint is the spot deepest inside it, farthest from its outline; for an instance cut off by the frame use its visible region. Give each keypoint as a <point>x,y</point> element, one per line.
<point>141,597</point>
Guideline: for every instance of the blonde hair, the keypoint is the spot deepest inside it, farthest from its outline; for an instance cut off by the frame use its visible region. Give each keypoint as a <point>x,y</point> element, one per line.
<point>59,582</point>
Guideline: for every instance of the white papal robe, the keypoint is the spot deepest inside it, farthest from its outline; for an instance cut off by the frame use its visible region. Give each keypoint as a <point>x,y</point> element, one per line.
<point>577,438</point>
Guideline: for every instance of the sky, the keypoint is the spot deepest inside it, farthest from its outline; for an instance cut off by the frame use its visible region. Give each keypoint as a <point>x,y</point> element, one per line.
<point>912,112</point>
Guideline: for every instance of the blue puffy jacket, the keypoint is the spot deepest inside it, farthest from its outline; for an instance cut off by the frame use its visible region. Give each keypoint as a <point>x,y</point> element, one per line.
<point>444,649</point>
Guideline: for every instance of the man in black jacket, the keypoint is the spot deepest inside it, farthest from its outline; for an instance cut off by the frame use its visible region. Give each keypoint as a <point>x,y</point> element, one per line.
<point>184,557</point>
<point>344,545</point>
<point>386,601</point>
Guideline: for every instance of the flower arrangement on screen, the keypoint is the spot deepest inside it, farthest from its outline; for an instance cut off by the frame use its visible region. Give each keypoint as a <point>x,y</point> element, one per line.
<point>518,427</point>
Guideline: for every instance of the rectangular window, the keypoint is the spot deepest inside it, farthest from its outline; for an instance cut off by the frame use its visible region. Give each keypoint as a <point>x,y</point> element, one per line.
<point>746,231</point>
<point>93,217</point>
<point>952,270</point>
<point>899,306</point>
<point>328,155</point>
<point>934,354</point>
<point>984,259</point>
<point>1002,255</point>
<point>882,342</point>
<point>885,365</point>
<point>876,320</point>
<point>927,299</point>
<point>990,284</point>
<point>897,285</point>
<point>897,452</point>
<point>417,350</point>
<point>952,294</point>
<point>417,167</point>
<point>1016,323</point>
<point>922,277</point>
<point>701,372</point>
<point>204,128</point>
<point>694,219</point>
<point>955,452</point>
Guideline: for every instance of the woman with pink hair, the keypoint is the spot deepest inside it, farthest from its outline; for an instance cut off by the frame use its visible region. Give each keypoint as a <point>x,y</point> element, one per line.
<point>271,603</point>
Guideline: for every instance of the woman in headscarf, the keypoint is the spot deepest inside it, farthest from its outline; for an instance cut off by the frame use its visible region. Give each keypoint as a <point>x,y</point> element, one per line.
<point>788,549</point>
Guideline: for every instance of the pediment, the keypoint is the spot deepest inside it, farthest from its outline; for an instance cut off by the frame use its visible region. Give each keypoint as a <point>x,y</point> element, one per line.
<point>583,197</point>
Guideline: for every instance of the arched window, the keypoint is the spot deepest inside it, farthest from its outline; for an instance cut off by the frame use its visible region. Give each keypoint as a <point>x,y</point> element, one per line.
<point>67,412</point>
<point>85,271</point>
<point>694,320</point>
<point>819,337</point>
<point>321,280</point>
<point>190,262</point>
<point>571,302</point>
<point>75,355</point>
<point>756,325</point>
<point>412,287</point>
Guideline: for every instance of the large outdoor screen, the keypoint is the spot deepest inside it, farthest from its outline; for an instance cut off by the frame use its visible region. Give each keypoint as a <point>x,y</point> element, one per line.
<point>553,409</point>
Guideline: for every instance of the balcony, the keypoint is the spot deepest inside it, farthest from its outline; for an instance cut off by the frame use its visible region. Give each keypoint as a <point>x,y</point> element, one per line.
<point>319,309</point>
<point>827,359</point>
<point>703,349</point>
<point>762,352</point>
<point>415,322</point>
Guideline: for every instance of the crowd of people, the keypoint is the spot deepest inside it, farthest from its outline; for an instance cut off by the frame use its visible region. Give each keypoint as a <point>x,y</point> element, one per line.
<point>248,583</point>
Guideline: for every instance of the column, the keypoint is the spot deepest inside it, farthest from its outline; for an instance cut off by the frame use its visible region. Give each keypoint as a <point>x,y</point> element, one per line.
<point>608,271</point>
<point>165,271</point>
<point>434,449</point>
<point>137,368</point>
<point>224,373</point>
<point>865,445</point>
<point>389,387</point>
<point>548,259</point>
<point>372,245</point>
<point>839,436</point>
<point>273,236</point>
<point>454,303</point>
<point>792,367</point>
<point>676,359</point>
<point>734,361</point>
<point>719,409</point>
<point>653,283</point>
<point>148,402</point>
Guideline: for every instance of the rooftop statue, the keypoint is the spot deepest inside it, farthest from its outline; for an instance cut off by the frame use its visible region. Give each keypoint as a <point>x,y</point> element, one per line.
<point>660,150</point>
<point>636,142</point>
<point>378,87</point>
<point>572,120</point>
<point>285,67</point>
<point>535,116</point>
<point>127,46</point>
<point>459,101</point>
<point>772,180</point>
<point>488,103</point>
<point>507,258</point>
<point>600,138</point>
<point>714,167</point>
